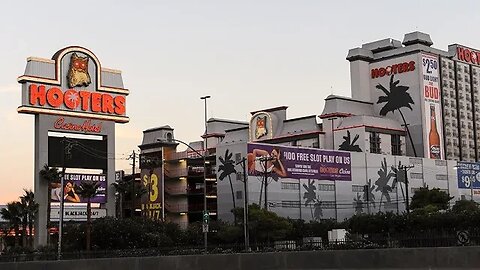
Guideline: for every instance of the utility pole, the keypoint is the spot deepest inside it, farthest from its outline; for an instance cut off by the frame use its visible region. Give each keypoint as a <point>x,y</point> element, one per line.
<point>265,178</point>
<point>261,194</point>
<point>335,197</point>
<point>471,188</point>
<point>366,189</point>
<point>245,203</point>
<point>133,157</point>
<point>300,200</point>
<point>406,190</point>
<point>265,159</point>
<point>396,197</point>
<point>405,170</point>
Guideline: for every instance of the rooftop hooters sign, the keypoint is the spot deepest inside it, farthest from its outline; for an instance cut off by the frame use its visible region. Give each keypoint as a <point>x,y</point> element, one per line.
<point>73,83</point>
<point>467,55</point>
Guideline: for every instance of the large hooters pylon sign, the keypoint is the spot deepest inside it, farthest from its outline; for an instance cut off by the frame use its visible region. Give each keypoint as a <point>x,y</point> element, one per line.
<point>73,83</point>
<point>71,95</point>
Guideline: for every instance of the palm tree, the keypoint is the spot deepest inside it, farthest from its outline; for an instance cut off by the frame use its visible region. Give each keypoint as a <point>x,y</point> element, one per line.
<point>30,208</point>
<point>399,177</point>
<point>88,190</point>
<point>358,204</point>
<point>138,191</point>
<point>317,213</point>
<point>382,182</point>
<point>24,220</point>
<point>310,195</point>
<point>395,99</point>
<point>52,176</point>
<point>4,231</point>
<point>13,214</point>
<point>227,168</point>
<point>349,145</point>
<point>124,189</point>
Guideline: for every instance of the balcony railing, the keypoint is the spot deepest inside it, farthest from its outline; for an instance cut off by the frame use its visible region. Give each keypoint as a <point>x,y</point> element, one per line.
<point>198,171</point>
<point>184,207</point>
<point>193,154</point>
<point>198,191</point>
<point>212,193</point>
<point>184,155</point>
<point>176,155</point>
<point>176,190</point>
<point>176,172</point>
<point>199,207</point>
<point>195,191</point>
<point>176,207</point>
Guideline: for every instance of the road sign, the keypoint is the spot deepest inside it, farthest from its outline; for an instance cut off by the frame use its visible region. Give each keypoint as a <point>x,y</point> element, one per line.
<point>463,237</point>
<point>205,228</point>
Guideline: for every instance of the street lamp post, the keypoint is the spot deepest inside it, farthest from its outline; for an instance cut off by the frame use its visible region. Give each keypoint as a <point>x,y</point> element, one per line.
<point>332,121</point>
<point>169,141</point>
<point>204,155</point>
<point>67,148</point>
<point>163,184</point>
<point>205,151</point>
<point>62,202</point>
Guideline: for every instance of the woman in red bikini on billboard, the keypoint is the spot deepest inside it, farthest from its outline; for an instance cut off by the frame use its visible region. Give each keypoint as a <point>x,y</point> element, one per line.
<point>273,163</point>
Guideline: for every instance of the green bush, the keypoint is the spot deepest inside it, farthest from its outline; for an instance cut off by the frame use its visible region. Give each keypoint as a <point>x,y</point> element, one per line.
<point>465,206</point>
<point>265,227</point>
<point>112,233</point>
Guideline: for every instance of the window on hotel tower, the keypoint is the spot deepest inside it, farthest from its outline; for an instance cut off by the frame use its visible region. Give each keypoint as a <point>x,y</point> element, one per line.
<point>396,145</point>
<point>374,142</point>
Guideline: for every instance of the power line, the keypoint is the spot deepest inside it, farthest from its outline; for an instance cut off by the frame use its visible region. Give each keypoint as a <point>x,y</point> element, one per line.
<point>92,151</point>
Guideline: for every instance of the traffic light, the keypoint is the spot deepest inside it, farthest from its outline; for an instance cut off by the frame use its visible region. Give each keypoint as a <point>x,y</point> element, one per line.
<point>206,217</point>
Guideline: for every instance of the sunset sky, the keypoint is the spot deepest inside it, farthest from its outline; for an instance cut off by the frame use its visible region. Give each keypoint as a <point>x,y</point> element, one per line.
<point>248,55</point>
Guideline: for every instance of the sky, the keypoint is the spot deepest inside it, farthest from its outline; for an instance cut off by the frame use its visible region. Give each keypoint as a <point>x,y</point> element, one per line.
<point>247,55</point>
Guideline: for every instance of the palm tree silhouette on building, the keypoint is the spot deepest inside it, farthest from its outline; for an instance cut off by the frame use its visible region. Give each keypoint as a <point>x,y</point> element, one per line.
<point>396,98</point>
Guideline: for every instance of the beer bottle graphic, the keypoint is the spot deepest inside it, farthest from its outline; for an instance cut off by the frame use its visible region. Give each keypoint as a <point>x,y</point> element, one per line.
<point>433,136</point>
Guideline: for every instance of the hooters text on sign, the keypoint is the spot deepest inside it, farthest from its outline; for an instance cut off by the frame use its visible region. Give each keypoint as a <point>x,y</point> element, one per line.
<point>467,55</point>
<point>393,69</point>
<point>92,102</point>
<point>73,84</point>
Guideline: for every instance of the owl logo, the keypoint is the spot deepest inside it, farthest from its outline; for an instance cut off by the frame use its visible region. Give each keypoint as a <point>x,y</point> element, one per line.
<point>261,129</point>
<point>78,71</point>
